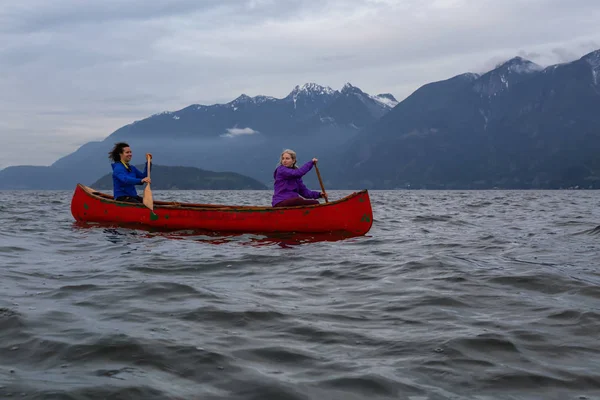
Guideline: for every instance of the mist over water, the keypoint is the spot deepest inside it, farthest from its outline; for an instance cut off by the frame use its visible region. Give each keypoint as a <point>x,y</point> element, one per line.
<point>451,295</point>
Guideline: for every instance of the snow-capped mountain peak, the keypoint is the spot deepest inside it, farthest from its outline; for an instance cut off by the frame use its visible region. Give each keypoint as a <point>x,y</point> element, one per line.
<point>309,93</point>
<point>245,99</point>
<point>386,99</point>
<point>312,88</point>
<point>348,89</point>
<point>505,75</point>
<point>520,65</point>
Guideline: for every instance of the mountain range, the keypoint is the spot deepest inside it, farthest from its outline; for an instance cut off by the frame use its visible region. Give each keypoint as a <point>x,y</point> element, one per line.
<point>245,136</point>
<point>519,125</point>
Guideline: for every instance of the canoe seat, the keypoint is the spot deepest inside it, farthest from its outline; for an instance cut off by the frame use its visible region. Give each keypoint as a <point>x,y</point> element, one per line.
<point>171,205</point>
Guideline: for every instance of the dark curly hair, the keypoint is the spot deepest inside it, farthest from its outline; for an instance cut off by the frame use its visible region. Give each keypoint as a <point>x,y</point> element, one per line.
<point>115,153</point>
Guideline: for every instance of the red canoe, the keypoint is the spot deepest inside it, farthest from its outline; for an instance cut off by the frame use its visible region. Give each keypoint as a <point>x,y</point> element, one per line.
<point>351,215</point>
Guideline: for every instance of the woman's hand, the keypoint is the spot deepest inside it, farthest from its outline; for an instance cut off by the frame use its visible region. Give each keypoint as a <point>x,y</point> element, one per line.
<point>146,180</point>
<point>323,195</point>
<point>314,160</point>
<point>148,156</point>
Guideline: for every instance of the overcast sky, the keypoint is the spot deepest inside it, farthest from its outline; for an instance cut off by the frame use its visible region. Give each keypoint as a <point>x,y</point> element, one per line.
<point>73,71</point>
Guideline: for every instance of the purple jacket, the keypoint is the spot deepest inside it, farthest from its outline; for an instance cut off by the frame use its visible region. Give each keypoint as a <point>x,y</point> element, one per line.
<point>288,183</point>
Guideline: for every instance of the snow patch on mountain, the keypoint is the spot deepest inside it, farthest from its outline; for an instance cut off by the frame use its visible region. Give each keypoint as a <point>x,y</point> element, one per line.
<point>263,99</point>
<point>386,99</point>
<point>593,59</point>
<point>245,99</point>
<point>161,113</point>
<point>241,99</point>
<point>312,89</point>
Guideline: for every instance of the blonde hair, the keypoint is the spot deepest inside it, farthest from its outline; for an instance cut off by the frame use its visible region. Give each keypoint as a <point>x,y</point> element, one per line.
<point>292,154</point>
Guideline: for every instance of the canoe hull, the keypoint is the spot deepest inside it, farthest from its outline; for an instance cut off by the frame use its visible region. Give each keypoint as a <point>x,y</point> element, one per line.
<point>351,215</point>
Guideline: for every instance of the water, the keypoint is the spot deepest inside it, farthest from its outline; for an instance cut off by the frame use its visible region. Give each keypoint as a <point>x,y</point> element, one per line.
<point>452,295</point>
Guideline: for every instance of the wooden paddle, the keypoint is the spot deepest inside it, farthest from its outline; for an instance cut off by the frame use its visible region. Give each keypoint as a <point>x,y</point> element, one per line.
<point>148,201</point>
<point>321,182</point>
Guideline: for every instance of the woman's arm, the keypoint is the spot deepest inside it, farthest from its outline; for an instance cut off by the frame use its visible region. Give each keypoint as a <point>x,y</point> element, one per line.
<point>141,174</point>
<point>292,173</point>
<point>306,192</point>
<point>121,174</point>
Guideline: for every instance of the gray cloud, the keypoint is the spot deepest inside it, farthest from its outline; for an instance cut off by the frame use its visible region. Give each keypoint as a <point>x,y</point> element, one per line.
<point>76,71</point>
<point>564,55</point>
<point>40,15</point>
<point>529,55</point>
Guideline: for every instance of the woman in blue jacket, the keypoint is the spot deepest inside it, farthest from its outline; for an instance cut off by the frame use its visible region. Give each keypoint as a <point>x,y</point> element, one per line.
<point>126,176</point>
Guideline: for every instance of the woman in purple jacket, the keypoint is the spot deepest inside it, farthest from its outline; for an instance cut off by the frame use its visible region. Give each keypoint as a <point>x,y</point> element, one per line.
<point>289,188</point>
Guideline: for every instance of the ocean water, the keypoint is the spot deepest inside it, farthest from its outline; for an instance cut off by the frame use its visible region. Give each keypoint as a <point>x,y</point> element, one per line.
<point>451,295</point>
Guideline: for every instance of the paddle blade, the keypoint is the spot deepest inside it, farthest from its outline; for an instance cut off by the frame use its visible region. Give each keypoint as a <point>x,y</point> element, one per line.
<point>148,201</point>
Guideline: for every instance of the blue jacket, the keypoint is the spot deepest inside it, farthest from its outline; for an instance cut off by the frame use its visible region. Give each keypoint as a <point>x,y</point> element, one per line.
<point>288,183</point>
<point>124,180</point>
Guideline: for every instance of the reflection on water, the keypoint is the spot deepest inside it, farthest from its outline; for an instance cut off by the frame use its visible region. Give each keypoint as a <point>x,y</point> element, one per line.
<point>117,234</point>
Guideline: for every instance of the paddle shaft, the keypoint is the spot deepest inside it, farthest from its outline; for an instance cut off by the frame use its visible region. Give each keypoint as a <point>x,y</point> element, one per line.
<point>148,200</point>
<point>321,183</point>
